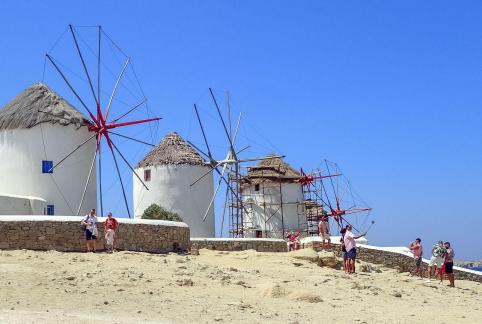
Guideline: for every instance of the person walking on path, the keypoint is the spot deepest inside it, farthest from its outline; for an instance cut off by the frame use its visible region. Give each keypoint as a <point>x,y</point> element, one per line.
<point>417,250</point>
<point>350,246</point>
<point>436,260</point>
<point>110,227</point>
<point>449,264</point>
<point>90,223</point>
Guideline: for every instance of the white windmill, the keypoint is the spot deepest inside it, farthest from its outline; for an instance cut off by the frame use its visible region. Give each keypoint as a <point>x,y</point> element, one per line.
<point>70,154</point>
<point>169,169</point>
<point>228,171</point>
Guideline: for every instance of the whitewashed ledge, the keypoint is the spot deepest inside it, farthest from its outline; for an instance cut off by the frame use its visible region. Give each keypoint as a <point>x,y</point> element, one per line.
<point>239,244</point>
<point>44,218</point>
<point>402,250</point>
<point>236,239</point>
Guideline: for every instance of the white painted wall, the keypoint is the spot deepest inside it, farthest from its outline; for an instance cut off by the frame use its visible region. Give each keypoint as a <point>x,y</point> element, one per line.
<point>22,152</point>
<point>170,187</point>
<point>268,217</point>
<point>21,205</point>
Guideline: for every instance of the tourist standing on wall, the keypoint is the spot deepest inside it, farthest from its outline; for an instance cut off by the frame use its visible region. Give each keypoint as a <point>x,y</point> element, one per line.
<point>110,227</point>
<point>417,250</point>
<point>90,223</point>
<point>449,263</point>
<point>324,230</point>
<point>436,260</point>
<point>350,246</point>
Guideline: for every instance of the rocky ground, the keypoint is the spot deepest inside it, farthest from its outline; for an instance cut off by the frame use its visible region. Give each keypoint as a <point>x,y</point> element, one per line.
<point>225,287</point>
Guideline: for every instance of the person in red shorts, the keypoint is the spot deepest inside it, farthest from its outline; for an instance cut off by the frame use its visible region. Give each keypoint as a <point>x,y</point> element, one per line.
<point>441,272</point>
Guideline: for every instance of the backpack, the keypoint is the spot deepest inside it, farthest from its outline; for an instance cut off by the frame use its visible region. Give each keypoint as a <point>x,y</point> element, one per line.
<point>83,227</point>
<point>439,251</point>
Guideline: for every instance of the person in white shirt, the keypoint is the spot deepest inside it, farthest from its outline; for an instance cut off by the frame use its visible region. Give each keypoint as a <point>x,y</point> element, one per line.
<point>350,246</point>
<point>90,223</point>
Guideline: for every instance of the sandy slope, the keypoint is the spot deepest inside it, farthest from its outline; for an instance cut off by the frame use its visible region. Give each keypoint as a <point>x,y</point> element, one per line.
<point>250,287</point>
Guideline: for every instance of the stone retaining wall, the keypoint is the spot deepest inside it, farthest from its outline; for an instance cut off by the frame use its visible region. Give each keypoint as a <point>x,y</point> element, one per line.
<point>63,233</point>
<point>396,260</point>
<point>239,244</point>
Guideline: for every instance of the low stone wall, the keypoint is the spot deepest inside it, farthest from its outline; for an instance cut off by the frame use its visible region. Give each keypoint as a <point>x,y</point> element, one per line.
<point>239,244</point>
<point>63,233</point>
<point>396,260</point>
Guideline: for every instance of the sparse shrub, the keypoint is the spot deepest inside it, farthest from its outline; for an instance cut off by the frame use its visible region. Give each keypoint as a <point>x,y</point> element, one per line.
<point>155,211</point>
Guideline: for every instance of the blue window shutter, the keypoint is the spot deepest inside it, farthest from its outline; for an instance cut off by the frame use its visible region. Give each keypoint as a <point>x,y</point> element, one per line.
<point>47,166</point>
<point>50,210</point>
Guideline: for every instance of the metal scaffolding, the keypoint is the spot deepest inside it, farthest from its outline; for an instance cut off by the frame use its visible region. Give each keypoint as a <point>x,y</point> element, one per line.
<point>313,207</point>
<point>260,196</point>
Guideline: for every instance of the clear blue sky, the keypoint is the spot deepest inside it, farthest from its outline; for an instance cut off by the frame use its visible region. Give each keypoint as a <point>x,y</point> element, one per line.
<point>391,91</point>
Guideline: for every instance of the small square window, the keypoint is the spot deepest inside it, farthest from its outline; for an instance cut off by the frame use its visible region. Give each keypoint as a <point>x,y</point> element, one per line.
<point>147,175</point>
<point>50,210</point>
<point>47,166</point>
<point>256,187</point>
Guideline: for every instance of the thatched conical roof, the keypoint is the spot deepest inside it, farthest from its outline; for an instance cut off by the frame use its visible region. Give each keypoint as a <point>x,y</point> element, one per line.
<point>171,150</point>
<point>39,104</point>
<point>271,170</point>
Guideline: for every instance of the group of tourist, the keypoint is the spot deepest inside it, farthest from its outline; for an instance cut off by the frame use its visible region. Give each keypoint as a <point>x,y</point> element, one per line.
<point>348,248</point>
<point>89,224</point>
<point>441,261</point>
<point>347,242</point>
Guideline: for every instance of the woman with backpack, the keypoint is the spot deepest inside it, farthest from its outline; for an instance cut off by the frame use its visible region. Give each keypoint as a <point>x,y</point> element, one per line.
<point>436,260</point>
<point>89,224</point>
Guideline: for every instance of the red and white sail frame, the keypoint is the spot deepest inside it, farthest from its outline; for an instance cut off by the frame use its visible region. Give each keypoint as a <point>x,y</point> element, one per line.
<point>97,114</point>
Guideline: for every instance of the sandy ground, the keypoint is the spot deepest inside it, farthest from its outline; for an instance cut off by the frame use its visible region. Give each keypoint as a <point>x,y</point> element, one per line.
<point>249,287</point>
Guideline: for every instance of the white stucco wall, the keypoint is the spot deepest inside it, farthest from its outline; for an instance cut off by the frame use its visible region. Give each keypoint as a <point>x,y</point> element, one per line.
<point>22,152</point>
<point>170,187</point>
<point>265,212</point>
<point>21,205</point>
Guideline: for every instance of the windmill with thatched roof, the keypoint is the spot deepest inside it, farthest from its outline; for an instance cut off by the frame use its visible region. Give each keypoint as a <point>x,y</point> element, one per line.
<point>40,124</point>
<point>273,197</point>
<point>169,169</point>
<point>36,128</point>
<point>228,170</point>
